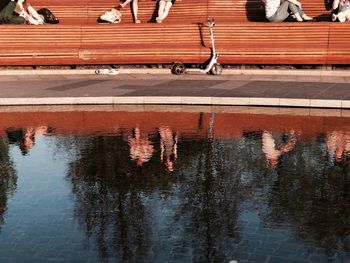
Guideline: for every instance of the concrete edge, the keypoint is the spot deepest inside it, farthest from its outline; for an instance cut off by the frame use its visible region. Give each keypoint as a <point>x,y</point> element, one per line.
<point>178,100</point>
<point>155,71</point>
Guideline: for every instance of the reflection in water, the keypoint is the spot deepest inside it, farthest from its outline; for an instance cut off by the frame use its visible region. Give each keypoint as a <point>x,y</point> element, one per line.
<point>154,192</point>
<point>8,177</point>
<point>110,195</point>
<point>141,149</point>
<point>168,147</point>
<point>25,138</point>
<point>313,195</point>
<point>210,195</point>
<point>272,152</point>
<point>338,144</point>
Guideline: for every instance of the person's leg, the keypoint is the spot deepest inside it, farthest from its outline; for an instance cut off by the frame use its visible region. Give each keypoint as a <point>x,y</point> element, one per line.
<point>281,13</point>
<point>16,20</point>
<point>35,15</point>
<point>135,9</point>
<point>300,11</point>
<point>294,9</point>
<point>160,11</point>
<point>335,4</point>
<point>122,5</point>
<point>167,7</point>
<point>302,14</point>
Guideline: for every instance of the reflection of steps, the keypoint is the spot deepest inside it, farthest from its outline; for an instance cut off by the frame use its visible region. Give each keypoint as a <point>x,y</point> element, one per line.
<point>193,124</point>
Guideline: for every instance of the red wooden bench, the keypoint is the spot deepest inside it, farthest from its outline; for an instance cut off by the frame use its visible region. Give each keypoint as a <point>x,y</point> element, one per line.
<point>242,35</point>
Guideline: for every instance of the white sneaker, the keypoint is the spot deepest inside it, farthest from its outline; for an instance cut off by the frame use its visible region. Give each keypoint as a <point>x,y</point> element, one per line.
<point>334,17</point>
<point>106,71</point>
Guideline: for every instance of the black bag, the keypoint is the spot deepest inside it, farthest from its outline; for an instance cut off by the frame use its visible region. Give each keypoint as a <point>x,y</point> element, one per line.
<point>49,17</point>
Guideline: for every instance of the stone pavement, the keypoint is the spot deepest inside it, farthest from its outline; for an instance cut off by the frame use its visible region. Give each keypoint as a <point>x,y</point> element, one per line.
<point>277,89</point>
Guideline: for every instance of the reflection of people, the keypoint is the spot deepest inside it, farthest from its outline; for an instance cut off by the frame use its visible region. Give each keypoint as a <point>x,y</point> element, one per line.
<point>338,144</point>
<point>168,147</point>
<point>26,137</point>
<point>272,152</point>
<point>141,149</point>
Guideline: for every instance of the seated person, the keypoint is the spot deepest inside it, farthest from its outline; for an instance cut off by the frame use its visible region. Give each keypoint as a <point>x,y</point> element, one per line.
<point>279,10</point>
<point>30,15</point>
<point>164,8</point>
<point>7,14</point>
<point>135,8</point>
<point>341,10</point>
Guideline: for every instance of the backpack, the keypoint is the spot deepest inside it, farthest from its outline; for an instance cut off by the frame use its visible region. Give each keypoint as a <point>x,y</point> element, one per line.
<point>112,16</point>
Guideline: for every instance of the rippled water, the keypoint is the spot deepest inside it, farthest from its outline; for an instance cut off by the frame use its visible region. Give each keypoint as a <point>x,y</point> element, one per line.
<point>173,187</point>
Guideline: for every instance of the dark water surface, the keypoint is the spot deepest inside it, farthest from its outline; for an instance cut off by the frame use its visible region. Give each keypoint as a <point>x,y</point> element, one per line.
<point>174,187</point>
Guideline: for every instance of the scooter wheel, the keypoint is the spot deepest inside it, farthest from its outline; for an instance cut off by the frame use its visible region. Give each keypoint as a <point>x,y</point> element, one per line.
<point>216,69</point>
<point>178,68</point>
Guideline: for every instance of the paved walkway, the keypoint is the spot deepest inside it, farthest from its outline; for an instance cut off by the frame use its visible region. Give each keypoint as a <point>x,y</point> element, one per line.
<point>273,88</point>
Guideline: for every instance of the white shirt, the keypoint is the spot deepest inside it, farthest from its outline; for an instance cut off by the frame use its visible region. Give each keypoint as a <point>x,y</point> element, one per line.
<point>271,7</point>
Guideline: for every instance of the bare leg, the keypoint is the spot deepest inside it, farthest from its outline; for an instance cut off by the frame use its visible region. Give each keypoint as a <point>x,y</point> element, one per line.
<point>166,10</point>
<point>298,12</point>
<point>35,15</point>
<point>135,8</point>
<point>335,4</point>
<point>122,5</point>
<point>298,17</point>
<point>160,11</point>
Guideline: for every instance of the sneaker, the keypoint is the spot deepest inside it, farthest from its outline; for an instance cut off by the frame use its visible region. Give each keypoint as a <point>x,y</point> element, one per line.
<point>334,17</point>
<point>112,71</point>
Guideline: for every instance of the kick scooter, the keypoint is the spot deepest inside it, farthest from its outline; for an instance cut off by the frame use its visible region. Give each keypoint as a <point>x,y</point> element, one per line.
<point>212,67</point>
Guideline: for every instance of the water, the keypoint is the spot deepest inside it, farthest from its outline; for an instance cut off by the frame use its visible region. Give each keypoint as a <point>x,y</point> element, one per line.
<point>173,187</point>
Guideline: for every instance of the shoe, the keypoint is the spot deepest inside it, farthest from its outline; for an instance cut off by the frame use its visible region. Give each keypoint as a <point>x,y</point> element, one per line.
<point>107,71</point>
<point>334,17</point>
